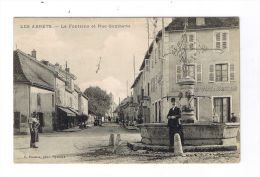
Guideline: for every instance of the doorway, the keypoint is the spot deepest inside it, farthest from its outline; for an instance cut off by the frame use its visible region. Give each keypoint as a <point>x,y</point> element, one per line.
<point>222,108</point>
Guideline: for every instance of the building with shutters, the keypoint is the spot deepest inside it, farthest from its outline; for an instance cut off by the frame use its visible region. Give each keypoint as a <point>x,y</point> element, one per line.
<point>213,50</point>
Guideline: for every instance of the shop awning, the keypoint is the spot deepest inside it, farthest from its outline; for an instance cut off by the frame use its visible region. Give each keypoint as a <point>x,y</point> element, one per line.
<point>67,111</point>
<point>74,111</point>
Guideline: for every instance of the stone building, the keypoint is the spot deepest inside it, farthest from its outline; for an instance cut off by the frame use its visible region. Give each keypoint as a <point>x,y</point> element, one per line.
<point>213,47</point>
<point>127,110</point>
<point>48,90</point>
<point>33,92</point>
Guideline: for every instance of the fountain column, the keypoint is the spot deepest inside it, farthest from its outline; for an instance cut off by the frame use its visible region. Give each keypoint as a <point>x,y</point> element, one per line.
<point>186,97</point>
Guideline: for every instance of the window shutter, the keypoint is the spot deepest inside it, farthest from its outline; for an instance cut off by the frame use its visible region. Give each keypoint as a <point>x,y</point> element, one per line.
<point>211,73</point>
<point>199,72</point>
<point>232,72</point>
<point>218,40</point>
<point>191,40</point>
<point>224,40</point>
<point>178,73</point>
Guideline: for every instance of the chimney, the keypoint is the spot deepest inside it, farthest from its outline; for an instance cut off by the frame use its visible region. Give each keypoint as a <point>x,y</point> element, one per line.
<point>45,62</point>
<point>200,21</point>
<point>33,53</point>
<point>67,69</point>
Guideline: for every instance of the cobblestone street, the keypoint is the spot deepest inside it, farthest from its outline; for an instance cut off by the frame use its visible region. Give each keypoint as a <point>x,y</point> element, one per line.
<point>91,146</point>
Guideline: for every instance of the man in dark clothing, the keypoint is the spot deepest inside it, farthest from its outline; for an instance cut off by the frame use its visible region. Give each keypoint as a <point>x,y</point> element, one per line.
<point>33,125</point>
<point>174,124</point>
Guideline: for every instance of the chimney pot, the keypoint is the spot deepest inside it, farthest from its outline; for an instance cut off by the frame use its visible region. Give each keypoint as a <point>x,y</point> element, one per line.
<point>33,53</point>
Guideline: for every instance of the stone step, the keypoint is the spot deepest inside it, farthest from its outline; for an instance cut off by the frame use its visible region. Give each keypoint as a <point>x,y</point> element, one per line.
<point>204,148</point>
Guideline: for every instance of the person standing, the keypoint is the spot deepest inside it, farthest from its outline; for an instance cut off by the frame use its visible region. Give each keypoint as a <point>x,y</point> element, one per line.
<point>33,125</point>
<point>174,124</point>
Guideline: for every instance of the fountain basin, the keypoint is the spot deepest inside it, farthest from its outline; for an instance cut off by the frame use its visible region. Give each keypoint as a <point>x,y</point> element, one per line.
<point>195,134</point>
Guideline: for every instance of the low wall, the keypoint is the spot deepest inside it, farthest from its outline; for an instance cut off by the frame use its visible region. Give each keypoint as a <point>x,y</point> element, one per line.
<point>196,134</point>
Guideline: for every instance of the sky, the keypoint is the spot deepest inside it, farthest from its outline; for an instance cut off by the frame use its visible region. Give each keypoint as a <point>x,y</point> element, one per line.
<point>82,41</point>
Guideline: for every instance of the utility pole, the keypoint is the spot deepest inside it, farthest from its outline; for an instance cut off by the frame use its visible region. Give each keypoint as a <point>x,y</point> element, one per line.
<point>162,58</point>
<point>66,73</point>
<point>134,66</point>
<point>127,88</point>
<point>148,33</point>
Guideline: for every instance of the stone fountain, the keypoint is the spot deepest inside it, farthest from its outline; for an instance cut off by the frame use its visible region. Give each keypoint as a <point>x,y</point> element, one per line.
<point>210,135</point>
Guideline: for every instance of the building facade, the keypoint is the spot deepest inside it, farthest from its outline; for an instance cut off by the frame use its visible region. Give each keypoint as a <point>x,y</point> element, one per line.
<point>48,90</point>
<point>33,92</point>
<point>213,50</point>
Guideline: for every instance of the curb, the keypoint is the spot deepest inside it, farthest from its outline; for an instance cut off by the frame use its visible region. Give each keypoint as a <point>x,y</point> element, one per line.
<point>204,148</point>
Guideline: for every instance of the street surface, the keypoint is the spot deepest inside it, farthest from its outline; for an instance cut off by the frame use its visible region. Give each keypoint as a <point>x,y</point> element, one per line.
<point>91,146</point>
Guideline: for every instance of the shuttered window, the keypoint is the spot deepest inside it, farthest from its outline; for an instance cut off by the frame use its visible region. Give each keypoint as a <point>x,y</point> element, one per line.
<point>221,72</point>
<point>211,73</point>
<point>232,72</point>
<point>191,71</point>
<point>199,72</point>
<point>221,39</point>
<point>178,73</point>
<point>191,38</point>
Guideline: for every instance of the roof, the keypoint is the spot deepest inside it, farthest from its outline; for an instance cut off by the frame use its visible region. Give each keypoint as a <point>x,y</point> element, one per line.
<point>26,70</point>
<point>178,25</point>
<point>210,22</point>
<point>137,79</point>
<point>85,96</point>
<point>76,88</point>
<point>67,111</point>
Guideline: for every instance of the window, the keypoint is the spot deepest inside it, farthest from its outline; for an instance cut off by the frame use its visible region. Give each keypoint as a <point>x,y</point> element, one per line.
<point>148,89</point>
<point>38,99</point>
<point>147,65</point>
<point>52,100</point>
<point>155,108</point>
<point>221,39</point>
<point>152,85</point>
<point>222,109</point>
<point>191,39</point>
<point>191,71</point>
<point>194,71</point>
<point>159,111</point>
<point>221,71</point>
<point>199,72</point>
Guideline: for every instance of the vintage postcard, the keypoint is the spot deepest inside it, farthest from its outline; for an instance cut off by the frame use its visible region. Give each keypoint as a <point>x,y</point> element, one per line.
<point>126,90</point>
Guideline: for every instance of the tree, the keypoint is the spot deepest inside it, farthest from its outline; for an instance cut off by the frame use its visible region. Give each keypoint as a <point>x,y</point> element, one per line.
<point>98,100</point>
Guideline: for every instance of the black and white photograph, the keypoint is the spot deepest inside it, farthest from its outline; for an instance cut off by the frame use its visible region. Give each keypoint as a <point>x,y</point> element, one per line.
<point>126,90</point>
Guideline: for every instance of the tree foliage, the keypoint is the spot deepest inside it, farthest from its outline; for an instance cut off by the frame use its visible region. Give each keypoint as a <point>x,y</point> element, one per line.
<point>98,100</point>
